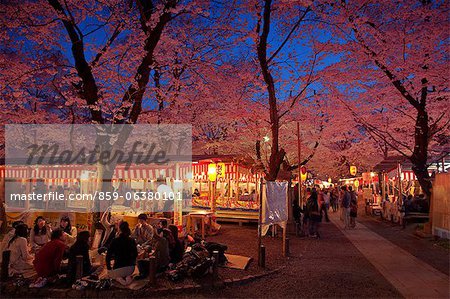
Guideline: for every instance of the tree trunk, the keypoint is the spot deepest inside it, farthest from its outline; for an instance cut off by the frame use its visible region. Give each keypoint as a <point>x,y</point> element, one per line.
<point>276,154</point>
<point>2,206</point>
<point>420,154</point>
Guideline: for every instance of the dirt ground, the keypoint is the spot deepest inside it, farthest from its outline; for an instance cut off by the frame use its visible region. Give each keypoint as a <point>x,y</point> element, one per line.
<point>328,267</point>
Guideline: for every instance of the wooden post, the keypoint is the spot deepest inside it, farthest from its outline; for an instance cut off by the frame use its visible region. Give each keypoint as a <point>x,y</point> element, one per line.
<point>285,240</point>
<point>299,150</point>
<point>400,195</point>
<point>215,268</point>
<point>6,255</point>
<point>79,267</point>
<point>262,256</point>
<point>286,248</point>
<point>259,224</point>
<point>152,270</point>
<point>202,219</point>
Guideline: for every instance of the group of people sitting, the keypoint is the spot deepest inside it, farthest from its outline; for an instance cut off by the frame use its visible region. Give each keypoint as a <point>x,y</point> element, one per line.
<point>45,248</point>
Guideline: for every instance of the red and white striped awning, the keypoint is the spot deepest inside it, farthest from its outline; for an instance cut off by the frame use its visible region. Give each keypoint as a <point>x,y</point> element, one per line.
<point>196,171</point>
<point>233,172</point>
<point>406,175</point>
<point>60,172</point>
<point>75,172</point>
<point>44,172</point>
<point>139,173</point>
<point>15,172</point>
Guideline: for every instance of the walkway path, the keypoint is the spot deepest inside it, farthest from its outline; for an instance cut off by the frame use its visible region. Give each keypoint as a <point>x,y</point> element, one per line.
<point>412,277</point>
<point>331,267</point>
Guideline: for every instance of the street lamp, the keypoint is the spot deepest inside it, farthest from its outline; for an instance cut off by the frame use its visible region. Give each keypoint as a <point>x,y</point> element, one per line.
<point>212,172</point>
<point>353,170</point>
<point>212,175</point>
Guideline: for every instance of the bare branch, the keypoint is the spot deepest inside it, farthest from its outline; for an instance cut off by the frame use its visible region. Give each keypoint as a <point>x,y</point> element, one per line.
<point>289,34</point>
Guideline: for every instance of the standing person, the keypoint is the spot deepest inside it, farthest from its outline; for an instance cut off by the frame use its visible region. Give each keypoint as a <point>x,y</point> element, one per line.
<point>123,250</point>
<point>326,203</point>
<point>306,216</point>
<point>47,261</point>
<point>353,207</point>
<point>346,199</point>
<point>333,200</point>
<point>69,231</point>
<point>296,205</point>
<point>315,217</point>
<point>143,232</point>
<point>40,234</point>
<point>20,260</point>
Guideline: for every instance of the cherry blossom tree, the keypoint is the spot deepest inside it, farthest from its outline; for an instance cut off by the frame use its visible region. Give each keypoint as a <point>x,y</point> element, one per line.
<point>393,74</point>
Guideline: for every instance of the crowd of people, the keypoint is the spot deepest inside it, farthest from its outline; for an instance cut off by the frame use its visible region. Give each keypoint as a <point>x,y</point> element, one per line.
<point>54,252</point>
<point>318,203</point>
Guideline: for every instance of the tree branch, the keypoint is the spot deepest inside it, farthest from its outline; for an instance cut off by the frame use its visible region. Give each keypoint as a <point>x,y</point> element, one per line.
<point>88,89</point>
<point>116,33</point>
<point>289,35</point>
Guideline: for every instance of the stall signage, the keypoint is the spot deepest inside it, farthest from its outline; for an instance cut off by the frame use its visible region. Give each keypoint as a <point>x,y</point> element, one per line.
<point>353,170</point>
<point>220,170</point>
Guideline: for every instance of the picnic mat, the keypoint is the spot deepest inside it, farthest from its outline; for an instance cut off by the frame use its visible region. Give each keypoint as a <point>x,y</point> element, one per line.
<point>134,285</point>
<point>237,261</point>
<point>29,274</point>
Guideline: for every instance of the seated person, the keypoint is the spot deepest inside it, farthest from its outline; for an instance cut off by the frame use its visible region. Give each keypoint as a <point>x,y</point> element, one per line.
<point>161,226</point>
<point>196,193</point>
<point>167,234</point>
<point>160,250</point>
<point>70,231</point>
<point>123,250</point>
<point>8,236</point>
<point>111,231</point>
<point>48,259</point>
<point>40,234</point>
<point>176,254</point>
<point>80,247</point>
<point>20,260</point>
<point>143,231</point>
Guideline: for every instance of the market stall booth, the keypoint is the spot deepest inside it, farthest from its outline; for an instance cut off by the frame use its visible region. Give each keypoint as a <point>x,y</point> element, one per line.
<point>77,184</point>
<point>225,186</point>
<point>397,182</point>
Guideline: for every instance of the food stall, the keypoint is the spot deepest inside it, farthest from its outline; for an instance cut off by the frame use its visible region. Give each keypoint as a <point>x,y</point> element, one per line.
<point>234,189</point>
<point>81,180</point>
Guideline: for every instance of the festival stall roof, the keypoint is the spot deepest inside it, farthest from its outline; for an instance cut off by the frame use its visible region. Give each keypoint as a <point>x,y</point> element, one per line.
<point>390,163</point>
<point>245,161</point>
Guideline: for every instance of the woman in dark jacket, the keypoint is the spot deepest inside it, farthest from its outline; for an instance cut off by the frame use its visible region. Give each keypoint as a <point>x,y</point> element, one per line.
<point>176,254</point>
<point>314,212</point>
<point>123,251</point>
<point>80,247</point>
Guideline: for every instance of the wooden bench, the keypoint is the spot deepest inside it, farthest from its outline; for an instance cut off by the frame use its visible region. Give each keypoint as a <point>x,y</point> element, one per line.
<point>234,220</point>
<point>409,216</point>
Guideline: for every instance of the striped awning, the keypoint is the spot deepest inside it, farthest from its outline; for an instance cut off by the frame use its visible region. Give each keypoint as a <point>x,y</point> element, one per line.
<point>141,173</point>
<point>233,172</point>
<point>406,175</point>
<point>43,172</point>
<point>15,172</point>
